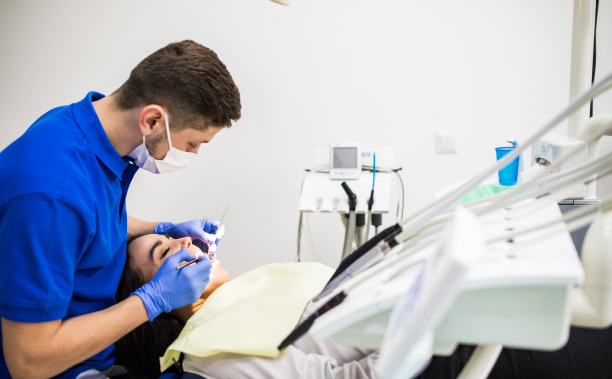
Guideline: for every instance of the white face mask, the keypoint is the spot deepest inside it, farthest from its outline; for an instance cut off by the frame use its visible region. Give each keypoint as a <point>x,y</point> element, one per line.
<point>174,160</point>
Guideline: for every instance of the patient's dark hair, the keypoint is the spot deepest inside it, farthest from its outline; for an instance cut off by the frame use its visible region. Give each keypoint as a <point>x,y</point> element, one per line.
<point>139,351</point>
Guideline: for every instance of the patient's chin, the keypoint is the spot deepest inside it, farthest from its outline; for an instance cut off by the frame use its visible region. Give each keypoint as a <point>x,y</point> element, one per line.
<point>224,276</point>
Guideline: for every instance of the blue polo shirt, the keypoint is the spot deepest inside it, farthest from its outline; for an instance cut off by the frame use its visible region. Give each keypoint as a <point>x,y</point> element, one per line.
<point>63,224</point>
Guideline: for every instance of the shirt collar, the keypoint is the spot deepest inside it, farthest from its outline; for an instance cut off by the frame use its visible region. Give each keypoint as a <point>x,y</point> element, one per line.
<point>89,123</point>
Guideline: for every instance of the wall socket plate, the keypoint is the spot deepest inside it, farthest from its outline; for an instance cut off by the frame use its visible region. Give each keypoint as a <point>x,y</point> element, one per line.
<point>447,141</point>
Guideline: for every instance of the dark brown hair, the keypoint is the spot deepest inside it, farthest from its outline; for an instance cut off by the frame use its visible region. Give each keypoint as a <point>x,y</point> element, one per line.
<point>140,349</point>
<point>189,80</point>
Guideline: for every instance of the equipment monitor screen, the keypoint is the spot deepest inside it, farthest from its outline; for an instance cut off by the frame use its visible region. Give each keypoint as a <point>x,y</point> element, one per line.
<point>345,157</point>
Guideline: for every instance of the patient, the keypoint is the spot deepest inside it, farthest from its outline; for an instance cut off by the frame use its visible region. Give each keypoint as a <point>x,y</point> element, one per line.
<point>139,351</point>
<point>146,254</point>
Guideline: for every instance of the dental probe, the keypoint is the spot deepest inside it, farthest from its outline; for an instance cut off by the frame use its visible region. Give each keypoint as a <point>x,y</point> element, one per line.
<point>187,263</point>
<point>210,256</point>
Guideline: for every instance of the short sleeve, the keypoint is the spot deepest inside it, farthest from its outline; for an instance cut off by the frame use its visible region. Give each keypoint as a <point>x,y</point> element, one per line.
<point>42,238</point>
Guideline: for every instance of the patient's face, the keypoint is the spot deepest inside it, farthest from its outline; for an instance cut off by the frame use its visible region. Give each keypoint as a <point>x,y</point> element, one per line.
<point>149,252</point>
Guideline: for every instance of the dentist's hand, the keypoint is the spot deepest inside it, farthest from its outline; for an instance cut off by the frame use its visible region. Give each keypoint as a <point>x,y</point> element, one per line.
<point>202,232</point>
<point>172,288</point>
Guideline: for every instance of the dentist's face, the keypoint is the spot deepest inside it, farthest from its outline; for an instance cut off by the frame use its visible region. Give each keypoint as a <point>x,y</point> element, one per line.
<point>188,140</point>
<point>152,124</point>
<point>149,252</point>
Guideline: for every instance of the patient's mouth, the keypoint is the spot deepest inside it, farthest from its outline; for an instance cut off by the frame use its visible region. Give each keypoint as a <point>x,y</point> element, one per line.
<point>193,249</point>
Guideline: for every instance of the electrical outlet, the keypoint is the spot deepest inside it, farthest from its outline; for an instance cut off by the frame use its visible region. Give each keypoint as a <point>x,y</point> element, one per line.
<point>447,141</point>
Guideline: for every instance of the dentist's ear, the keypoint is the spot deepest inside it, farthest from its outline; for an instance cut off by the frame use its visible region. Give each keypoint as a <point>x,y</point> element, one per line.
<point>151,119</point>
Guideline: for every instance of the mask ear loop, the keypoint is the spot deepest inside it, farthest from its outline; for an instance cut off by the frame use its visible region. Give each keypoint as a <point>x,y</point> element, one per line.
<point>168,130</point>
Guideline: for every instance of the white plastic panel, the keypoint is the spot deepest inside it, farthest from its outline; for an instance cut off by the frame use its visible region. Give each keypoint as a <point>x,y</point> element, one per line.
<point>321,194</point>
<point>552,147</point>
<point>384,156</point>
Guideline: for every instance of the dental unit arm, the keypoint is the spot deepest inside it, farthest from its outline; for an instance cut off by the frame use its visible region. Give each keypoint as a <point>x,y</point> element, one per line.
<point>602,125</point>
<point>592,303</point>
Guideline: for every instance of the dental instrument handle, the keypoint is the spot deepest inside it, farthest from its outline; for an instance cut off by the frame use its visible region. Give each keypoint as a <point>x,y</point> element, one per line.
<point>187,263</point>
<point>352,197</point>
<point>350,233</point>
<point>360,223</point>
<point>349,272</point>
<point>370,203</point>
<point>367,229</point>
<point>371,200</point>
<point>377,220</point>
<point>365,248</point>
<point>221,223</point>
<point>301,329</point>
<point>212,255</point>
<point>362,258</point>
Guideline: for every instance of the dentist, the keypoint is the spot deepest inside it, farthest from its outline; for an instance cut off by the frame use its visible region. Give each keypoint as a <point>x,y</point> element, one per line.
<point>63,222</point>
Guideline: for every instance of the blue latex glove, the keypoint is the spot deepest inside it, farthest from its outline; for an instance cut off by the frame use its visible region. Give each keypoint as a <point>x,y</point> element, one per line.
<point>172,288</point>
<point>202,232</point>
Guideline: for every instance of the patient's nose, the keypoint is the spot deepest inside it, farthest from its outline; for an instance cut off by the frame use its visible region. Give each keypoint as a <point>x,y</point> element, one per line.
<point>185,242</point>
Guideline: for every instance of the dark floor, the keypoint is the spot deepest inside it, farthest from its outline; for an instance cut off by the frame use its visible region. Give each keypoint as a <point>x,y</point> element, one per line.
<point>587,355</point>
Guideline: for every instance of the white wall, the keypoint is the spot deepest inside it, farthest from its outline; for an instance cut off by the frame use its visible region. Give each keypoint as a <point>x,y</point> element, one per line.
<point>384,72</point>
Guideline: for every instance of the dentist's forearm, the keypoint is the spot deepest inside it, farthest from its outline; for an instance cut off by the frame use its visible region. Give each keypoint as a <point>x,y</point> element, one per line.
<point>136,226</point>
<point>43,350</point>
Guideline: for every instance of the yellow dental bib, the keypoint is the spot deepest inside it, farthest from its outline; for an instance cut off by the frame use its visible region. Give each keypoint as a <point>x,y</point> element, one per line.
<point>251,314</point>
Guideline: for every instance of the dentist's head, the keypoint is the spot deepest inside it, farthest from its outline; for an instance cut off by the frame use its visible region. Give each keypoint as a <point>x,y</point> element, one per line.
<point>174,100</point>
